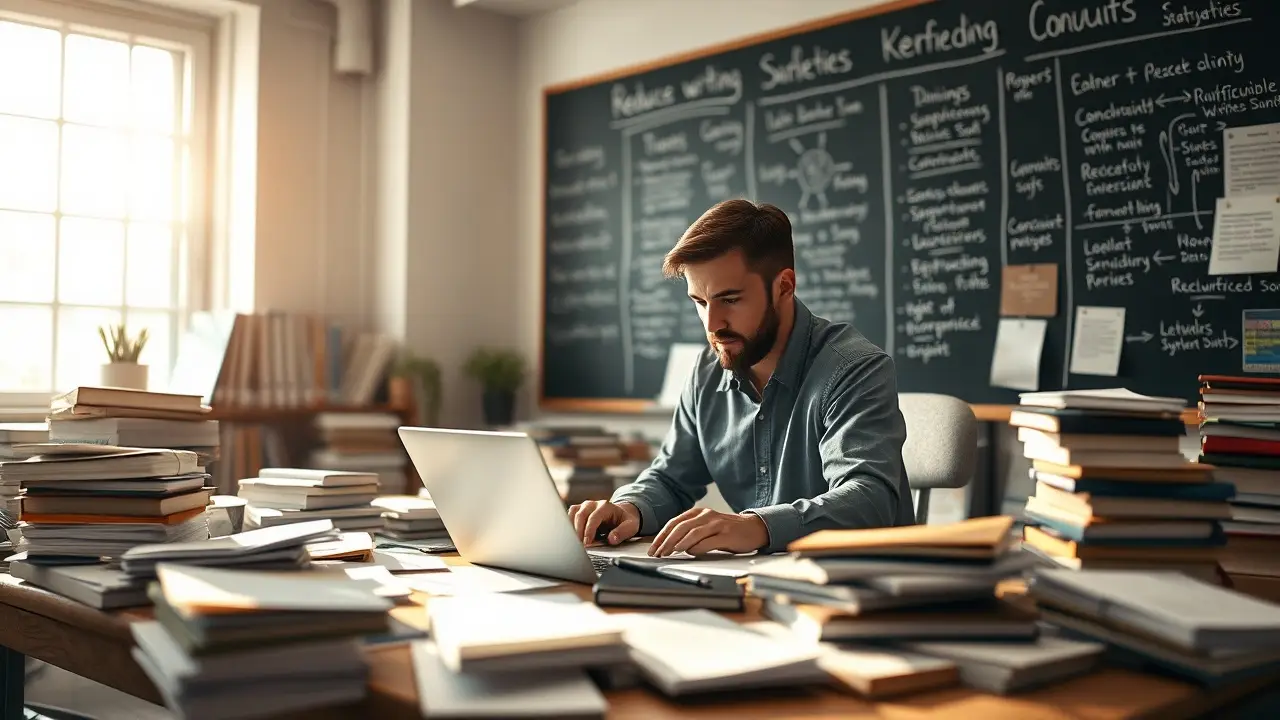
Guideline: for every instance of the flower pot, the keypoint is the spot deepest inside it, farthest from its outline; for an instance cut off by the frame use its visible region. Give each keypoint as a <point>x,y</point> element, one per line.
<point>125,375</point>
<point>499,407</point>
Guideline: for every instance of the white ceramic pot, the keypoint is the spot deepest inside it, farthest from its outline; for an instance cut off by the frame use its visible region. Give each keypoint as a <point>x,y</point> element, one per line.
<point>125,375</point>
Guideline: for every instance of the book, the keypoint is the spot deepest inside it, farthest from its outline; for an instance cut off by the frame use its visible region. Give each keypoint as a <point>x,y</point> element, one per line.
<point>618,587</point>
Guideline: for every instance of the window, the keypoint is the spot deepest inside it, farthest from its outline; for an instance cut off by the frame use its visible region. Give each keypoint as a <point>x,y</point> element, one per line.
<point>101,196</point>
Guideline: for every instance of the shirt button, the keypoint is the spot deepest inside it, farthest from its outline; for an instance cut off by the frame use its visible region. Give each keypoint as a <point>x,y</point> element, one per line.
<point>760,417</point>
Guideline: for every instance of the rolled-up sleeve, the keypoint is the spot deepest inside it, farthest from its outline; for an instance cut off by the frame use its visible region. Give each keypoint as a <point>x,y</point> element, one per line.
<point>678,476</point>
<point>860,445</point>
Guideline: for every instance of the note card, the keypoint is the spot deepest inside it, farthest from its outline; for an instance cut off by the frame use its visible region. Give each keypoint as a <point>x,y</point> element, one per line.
<point>1246,235</point>
<point>1251,159</point>
<point>1029,290</point>
<point>1099,338</point>
<point>1016,361</point>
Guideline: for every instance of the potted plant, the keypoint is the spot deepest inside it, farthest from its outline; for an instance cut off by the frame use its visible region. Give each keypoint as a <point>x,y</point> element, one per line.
<point>122,369</point>
<point>500,372</point>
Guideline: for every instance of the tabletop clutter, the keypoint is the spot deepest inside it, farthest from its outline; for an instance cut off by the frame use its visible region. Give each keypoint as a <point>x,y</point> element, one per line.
<point>1105,568</point>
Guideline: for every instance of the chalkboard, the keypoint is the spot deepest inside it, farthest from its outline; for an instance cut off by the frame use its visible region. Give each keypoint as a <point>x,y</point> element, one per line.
<point>920,149</point>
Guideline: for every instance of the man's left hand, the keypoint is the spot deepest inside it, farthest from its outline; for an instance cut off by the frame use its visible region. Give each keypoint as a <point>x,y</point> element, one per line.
<point>700,530</point>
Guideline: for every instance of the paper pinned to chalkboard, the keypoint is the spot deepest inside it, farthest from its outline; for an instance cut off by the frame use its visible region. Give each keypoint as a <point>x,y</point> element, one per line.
<point>680,362</point>
<point>1251,159</point>
<point>1029,290</point>
<point>1016,361</point>
<point>1246,235</point>
<point>1099,339</point>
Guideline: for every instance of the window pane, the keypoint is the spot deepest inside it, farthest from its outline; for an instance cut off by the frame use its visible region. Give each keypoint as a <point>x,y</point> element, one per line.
<point>81,354</point>
<point>28,164</point>
<point>155,354</point>
<point>152,190</point>
<point>26,333</point>
<point>96,85</point>
<point>153,80</point>
<point>30,60</point>
<point>150,266</point>
<point>91,262</point>
<point>94,169</point>
<point>26,257</point>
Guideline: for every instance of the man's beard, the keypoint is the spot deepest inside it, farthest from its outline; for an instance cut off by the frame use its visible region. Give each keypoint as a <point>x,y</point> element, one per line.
<point>754,349</point>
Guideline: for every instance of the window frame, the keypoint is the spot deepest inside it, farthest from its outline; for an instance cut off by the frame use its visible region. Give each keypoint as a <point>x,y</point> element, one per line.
<point>197,36</point>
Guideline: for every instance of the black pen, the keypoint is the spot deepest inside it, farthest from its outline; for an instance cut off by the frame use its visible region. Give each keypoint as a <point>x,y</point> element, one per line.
<point>662,571</point>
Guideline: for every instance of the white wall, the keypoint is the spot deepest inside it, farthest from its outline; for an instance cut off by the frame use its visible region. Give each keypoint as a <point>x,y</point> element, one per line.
<point>599,36</point>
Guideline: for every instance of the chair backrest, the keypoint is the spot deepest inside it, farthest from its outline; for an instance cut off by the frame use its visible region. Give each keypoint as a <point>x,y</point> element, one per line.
<point>942,440</point>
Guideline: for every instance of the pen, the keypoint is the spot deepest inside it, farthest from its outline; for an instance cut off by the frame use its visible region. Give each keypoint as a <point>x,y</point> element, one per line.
<point>662,571</point>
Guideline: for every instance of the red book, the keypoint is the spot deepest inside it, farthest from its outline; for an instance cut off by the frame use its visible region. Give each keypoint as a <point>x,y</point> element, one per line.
<point>1240,446</point>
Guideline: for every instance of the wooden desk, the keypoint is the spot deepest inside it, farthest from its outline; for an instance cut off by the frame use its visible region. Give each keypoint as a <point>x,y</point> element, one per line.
<point>96,645</point>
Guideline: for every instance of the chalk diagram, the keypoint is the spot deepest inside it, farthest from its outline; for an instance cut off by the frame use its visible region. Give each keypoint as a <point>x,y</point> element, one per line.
<point>815,169</point>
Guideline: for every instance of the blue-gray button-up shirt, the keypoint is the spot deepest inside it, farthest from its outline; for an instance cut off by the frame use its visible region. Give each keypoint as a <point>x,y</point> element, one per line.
<point>820,448</point>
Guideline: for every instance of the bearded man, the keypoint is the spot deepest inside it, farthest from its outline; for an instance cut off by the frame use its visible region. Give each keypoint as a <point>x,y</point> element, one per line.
<point>794,418</point>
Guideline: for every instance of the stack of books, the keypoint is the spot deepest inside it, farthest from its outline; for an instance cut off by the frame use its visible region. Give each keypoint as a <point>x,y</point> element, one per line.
<point>588,462</point>
<point>1113,487</point>
<point>924,593</point>
<point>362,442</point>
<point>134,418</point>
<point>240,643</point>
<point>84,503</point>
<point>1163,620</point>
<point>11,436</point>
<point>1240,438</point>
<point>279,496</point>
<point>921,582</point>
<point>405,517</point>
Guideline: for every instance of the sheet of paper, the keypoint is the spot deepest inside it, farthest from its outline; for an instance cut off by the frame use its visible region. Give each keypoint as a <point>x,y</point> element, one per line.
<point>1016,361</point>
<point>1251,160</point>
<point>1099,338</point>
<point>474,579</point>
<point>1261,333</point>
<point>680,362</point>
<point>408,562</point>
<point>1246,235</point>
<point>1029,290</point>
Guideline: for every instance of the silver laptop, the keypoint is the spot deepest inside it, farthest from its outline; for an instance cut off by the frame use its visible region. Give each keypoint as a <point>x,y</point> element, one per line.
<point>499,503</point>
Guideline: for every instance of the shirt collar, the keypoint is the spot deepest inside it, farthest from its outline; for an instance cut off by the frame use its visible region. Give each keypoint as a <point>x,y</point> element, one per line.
<point>793,355</point>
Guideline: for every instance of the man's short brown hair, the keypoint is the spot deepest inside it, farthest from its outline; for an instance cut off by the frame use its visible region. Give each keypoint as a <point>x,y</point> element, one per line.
<point>761,231</point>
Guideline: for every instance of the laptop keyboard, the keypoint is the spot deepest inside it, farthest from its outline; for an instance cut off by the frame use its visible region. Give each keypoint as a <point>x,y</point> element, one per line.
<point>599,562</point>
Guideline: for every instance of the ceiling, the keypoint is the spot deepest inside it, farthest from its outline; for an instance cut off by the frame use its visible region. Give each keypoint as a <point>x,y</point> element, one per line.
<point>518,8</point>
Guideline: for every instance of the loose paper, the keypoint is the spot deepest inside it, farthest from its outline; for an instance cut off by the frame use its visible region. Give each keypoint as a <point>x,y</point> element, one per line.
<point>1251,160</point>
<point>1099,338</point>
<point>1246,235</point>
<point>680,362</point>
<point>1029,290</point>
<point>1261,341</point>
<point>474,579</point>
<point>1016,361</point>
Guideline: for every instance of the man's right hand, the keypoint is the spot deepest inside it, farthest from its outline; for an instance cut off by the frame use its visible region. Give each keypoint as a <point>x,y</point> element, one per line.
<point>591,516</point>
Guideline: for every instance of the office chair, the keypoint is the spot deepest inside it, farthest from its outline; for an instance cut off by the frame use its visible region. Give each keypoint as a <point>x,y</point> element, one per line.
<point>942,445</point>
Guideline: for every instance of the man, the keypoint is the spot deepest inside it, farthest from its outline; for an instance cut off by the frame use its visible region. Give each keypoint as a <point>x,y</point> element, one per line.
<point>794,418</point>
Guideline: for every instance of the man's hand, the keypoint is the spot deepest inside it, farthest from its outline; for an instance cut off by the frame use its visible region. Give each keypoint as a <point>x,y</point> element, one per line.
<point>701,530</point>
<point>589,517</point>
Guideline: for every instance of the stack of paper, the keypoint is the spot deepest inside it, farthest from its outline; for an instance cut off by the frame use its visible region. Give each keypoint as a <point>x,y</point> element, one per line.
<point>274,548</point>
<point>87,502</point>
<point>923,582</point>
<point>1202,631</point>
<point>1240,438</point>
<point>1113,489</point>
<point>234,643</point>
<point>405,517</point>
<point>279,496</point>
<point>11,435</point>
